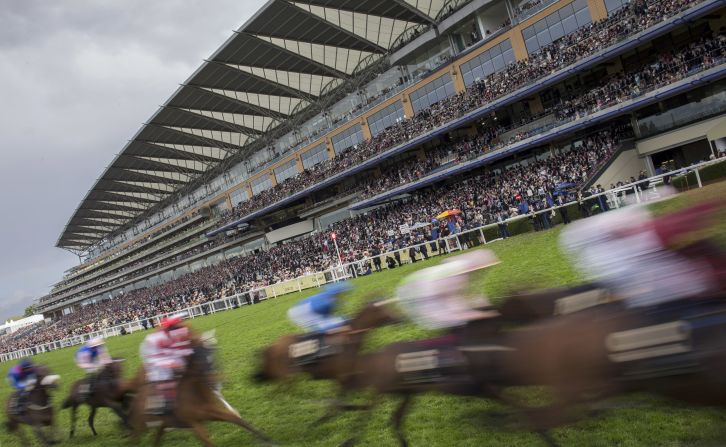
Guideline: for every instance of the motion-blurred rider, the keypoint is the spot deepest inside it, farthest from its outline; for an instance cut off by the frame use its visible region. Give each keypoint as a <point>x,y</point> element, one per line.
<point>316,313</point>
<point>638,256</point>
<point>92,357</point>
<point>164,353</point>
<point>435,297</point>
<point>23,377</point>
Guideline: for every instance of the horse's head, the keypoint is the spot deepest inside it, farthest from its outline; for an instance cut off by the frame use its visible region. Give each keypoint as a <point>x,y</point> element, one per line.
<point>274,361</point>
<point>375,313</point>
<point>46,379</point>
<point>263,373</point>
<point>113,370</point>
<point>202,361</point>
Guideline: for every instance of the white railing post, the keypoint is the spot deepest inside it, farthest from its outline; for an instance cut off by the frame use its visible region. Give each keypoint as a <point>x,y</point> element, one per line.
<point>698,178</point>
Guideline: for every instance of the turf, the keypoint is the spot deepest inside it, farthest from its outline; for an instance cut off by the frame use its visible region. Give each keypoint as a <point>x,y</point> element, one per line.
<point>288,413</point>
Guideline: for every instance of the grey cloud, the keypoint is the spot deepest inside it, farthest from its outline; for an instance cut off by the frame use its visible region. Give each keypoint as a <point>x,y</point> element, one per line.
<point>77,79</point>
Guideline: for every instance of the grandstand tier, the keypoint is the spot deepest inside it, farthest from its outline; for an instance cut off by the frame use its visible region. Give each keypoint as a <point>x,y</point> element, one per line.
<point>368,118</point>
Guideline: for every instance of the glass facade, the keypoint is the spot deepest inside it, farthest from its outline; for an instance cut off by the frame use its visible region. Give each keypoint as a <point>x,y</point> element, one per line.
<point>286,170</point>
<point>560,23</point>
<point>316,155</point>
<point>261,184</point>
<point>380,121</point>
<point>488,62</point>
<point>684,109</point>
<point>347,138</point>
<point>433,92</point>
<point>614,5</point>
<point>238,196</point>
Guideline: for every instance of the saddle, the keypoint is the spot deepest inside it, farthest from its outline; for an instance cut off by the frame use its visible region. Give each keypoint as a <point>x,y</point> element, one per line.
<point>17,404</point>
<point>678,338</point>
<point>312,348</point>
<point>433,361</point>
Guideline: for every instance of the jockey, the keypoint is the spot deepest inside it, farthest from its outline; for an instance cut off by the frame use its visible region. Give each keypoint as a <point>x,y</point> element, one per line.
<point>315,313</point>
<point>92,357</point>
<point>164,354</point>
<point>632,254</point>
<point>434,297</point>
<point>23,378</point>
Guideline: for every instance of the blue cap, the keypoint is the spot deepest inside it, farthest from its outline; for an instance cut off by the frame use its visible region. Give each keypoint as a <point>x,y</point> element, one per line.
<point>26,363</point>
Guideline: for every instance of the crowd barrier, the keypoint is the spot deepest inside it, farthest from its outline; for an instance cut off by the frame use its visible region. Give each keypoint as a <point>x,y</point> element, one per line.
<point>616,198</point>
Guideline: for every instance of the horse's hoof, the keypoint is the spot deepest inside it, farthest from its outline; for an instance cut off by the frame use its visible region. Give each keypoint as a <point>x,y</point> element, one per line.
<point>348,443</point>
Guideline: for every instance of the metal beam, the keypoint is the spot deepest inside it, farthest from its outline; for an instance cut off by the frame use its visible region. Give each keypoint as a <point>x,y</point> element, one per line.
<point>415,11</point>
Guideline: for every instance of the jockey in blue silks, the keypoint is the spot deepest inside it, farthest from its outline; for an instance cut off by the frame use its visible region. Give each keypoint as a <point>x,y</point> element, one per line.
<point>315,313</point>
<point>23,378</point>
<point>92,357</point>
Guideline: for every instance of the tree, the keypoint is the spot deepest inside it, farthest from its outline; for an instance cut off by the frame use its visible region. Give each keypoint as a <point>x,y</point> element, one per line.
<point>29,311</point>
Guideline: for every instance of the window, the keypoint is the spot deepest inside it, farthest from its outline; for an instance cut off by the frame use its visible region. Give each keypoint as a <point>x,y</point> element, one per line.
<point>261,183</point>
<point>286,170</point>
<point>433,92</point>
<point>490,61</point>
<point>316,155</point>
<point>560,23</point>
<point>238,196</point>
<point>347,138</point>
<point>382,120</point>
<point>614,5</point>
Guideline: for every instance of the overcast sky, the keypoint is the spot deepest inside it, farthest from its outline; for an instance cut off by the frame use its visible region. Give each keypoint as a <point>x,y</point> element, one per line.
<point>77,79</point>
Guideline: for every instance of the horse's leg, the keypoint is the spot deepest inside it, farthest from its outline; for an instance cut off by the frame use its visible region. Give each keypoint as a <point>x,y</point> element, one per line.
<point>18,430</point>
<point>74,409</point>
<point>397,419</point>
<point>228,414</point>
<point>91,417</point>
<point>39,433</point>
<point>361,422</point>
<point>159,434</point>
<point>201,433</point>
<point>119,410</point>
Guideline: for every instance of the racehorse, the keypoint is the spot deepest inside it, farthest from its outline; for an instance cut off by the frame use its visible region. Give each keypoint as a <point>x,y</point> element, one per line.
<point>198,399</point>
<point>281,359</point>
<point>324,357</point>
<point>107,393</point>
<point>676,350</point>
<point>461,362</point>
<point>38,412</point>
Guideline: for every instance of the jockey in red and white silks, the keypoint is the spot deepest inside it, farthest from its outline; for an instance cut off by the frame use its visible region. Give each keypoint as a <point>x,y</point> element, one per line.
<point>435,297</point>
<point>164,351</point>
<point>629,252</point>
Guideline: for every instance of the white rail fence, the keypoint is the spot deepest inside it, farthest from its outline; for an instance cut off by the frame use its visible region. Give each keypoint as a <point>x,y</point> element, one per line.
<point>616,198</point>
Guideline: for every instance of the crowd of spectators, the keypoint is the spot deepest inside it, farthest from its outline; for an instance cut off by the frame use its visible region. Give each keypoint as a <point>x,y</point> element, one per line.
<point>492,196</point>
<point>669,66</point>
<point>481,199</point>
<point>633,18</point>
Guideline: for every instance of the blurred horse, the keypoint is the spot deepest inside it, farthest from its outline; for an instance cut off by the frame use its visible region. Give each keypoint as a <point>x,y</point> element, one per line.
<point>107,393</point>
<point>676,350</point>
<point>38,412</point>
<point>198,399</point>
<point>324,356</point>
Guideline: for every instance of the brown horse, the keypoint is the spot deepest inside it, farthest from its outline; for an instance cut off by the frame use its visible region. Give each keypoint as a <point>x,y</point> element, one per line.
<point>676,350</point>
<point>198,400</point>
<point>285,357</point>
<point>107,393</point>
<point>38,410</point>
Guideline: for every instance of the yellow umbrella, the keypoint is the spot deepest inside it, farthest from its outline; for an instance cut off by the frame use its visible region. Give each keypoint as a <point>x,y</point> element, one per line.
<point>448,213</point>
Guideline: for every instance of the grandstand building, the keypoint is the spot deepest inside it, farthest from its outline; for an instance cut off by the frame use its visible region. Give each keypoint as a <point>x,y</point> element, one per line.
<point>318,111</point>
